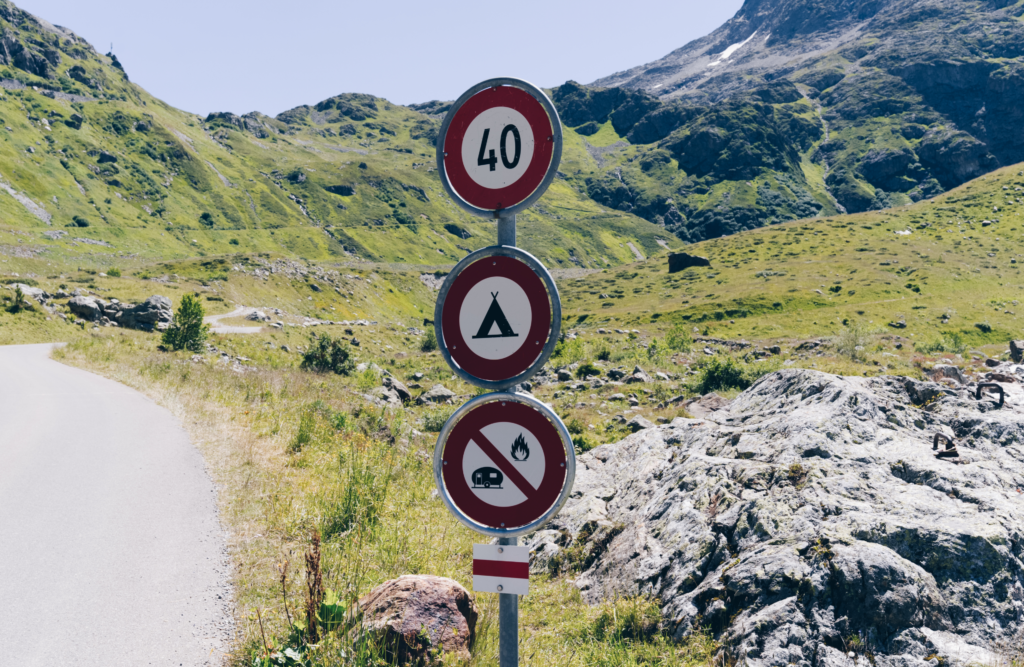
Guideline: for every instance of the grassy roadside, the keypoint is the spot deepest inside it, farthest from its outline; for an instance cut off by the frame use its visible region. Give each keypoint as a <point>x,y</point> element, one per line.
<point>293,451</point>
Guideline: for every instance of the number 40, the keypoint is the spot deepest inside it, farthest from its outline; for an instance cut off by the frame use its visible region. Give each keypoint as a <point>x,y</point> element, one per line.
<point>491,160</point>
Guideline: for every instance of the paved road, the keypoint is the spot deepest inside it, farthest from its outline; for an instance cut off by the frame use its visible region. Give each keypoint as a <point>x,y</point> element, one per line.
<point>217,327</point>
<point>111,552</point>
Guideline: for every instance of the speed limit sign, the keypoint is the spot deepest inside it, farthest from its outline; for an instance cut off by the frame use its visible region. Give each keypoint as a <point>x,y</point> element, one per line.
<point>499,147</point>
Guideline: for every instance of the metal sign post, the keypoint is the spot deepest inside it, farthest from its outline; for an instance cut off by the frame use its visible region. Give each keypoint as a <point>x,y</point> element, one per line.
<point>508,617</point>
<point>504,463</point>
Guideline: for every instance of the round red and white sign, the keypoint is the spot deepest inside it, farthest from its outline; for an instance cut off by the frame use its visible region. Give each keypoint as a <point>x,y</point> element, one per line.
<point>497,317</point>
<point>504,463</point>
<point>499,146</point>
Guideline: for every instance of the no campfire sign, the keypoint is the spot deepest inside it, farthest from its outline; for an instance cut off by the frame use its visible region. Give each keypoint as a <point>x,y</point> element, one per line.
<point>504,464</point>
<point>498,317</point>
<point>499,146</point>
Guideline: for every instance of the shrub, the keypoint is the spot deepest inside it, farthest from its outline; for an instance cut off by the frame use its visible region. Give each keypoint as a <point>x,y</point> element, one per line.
<point>851,342</point>
<point>952,342</point>
<point>233,241</point>
<point>587,370</point>
<point>568,352</point>
<point>603,353</point>
<point>19,301</point>
<point>327,355</point>
<point>575,426</point>
<point>187,331</point>
<point>723,373</point>
<point>206,219</point>
<point>435,418</point>
<point>983,327</point>
<point>80,221</point>
<point>679,339</point>
<point>114,272</point>
<point>429,342</point>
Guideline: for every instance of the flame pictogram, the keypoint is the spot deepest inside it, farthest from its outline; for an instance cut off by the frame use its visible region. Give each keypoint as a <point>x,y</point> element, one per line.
<point>520,451</point>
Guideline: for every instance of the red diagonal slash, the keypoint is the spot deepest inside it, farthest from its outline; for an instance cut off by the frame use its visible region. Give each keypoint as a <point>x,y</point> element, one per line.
<point>504,465</point>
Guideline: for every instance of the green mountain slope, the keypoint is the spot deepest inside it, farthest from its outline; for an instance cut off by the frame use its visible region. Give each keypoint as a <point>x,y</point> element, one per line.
<point>797,108</point>
<point>87,152</point>
<point>947,265</point>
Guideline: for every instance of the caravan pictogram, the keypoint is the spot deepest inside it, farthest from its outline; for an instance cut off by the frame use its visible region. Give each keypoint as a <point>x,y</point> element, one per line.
<point>498,317</point>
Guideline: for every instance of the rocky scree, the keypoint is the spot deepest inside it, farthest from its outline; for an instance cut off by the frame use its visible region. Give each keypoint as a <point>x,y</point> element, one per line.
<point>810,516</point>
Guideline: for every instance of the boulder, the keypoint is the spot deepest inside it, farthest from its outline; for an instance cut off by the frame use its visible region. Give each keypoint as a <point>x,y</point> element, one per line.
<point>638,423</point>
<point>945,372</point>
<point>87,307</point>
<point>1017,351</point>
<point>860,532</point>
<point>258,316</point>
<point>638,376</point>
<point>680,261</point>
<point>616,374</point>
<point>437,394</point>
<point>384,395</point>
<point>400,389</point>
<point>706,404</point>
<point>417,618</point>
<point>30,292</point>
<point>153,313</point>
<point>564,375</point>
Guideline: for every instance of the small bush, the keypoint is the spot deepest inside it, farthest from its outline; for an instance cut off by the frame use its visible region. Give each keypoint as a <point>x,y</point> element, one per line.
<point>950,342</point>
<point>587,370</point>
<point>327,355</point>
<point>851,342</point>
<point>568,352</point>
<point>233,241</point>
<point>603,353</point>
<point>983,327</point>
<point>575,426</point>
<point>187,331</point>
<point>80,221</point>
<point>583,443</point>
<point>679,339</point>
<point>721,373</point>
<point>19,301</point>
<point>429,341</point>
<point>368,379</point>
<point>206,220</point>
<point>435,418</point>
<point>114,272</point>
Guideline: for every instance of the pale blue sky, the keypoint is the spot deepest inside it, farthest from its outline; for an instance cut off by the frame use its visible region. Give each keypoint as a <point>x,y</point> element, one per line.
<point>241,56</point>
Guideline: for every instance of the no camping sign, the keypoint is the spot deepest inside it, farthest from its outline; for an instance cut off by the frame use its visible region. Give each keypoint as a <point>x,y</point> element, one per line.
<point>498,317</point>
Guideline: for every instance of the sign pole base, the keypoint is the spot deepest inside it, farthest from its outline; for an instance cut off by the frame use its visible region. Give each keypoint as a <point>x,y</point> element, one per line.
<point>507,230</point>
<point>508,610</point>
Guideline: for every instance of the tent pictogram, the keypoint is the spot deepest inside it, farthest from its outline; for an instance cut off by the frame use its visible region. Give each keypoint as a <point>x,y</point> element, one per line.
<point>495,315</point>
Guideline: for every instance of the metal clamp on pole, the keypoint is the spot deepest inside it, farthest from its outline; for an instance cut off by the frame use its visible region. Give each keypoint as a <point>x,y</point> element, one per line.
<point>507,230</point>
<point>991,386</point>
